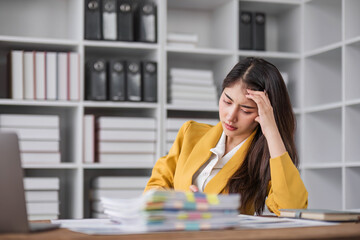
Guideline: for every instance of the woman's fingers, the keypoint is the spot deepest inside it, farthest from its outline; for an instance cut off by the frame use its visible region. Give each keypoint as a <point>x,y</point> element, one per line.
<point>194,188</point>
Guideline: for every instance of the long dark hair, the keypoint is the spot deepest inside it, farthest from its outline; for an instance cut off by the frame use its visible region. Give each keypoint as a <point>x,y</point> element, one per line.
<point>252,178</point>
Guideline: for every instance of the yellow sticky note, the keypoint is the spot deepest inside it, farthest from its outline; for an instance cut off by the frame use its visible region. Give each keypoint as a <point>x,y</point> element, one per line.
<point>212,199</point>
<point>190,196</point>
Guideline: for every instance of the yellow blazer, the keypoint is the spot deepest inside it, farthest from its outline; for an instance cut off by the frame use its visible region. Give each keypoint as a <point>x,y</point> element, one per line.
<point>191,150</point>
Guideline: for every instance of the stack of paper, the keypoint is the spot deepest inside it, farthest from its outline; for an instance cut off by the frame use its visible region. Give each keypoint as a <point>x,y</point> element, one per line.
<point>42,197</point>
<point>114,187</point>
<point>126,140</point>
<point>182,40</point>
<point>174,124</point>
<point>174,210</point>
<point>39,136</point>
<point>192,87</point>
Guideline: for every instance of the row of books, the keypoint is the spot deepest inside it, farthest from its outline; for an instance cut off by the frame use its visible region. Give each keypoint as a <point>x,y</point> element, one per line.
<point>39,136</point>
<point>121,20</point>
<point>119,80</point>
<point>112,139</point>
<point>252,30</point>
<point>193,87</point>
<point>182,40</point>
<point>114,187</point>
<point>174,124</point>
<point>37,75</point>
<point>42,197</point>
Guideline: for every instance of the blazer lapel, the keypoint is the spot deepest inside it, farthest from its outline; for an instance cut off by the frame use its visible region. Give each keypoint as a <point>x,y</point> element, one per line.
<point>200,154</point>
<point>218,182</point>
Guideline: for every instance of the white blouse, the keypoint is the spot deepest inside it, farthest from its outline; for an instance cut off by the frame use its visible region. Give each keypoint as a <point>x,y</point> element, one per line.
<point>216,161</point>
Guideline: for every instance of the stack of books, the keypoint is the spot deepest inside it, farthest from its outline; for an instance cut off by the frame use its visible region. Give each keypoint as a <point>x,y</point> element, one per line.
<point>174,124</point>
<point>174,210</point>
<point>42,197</point>
<point>37,75</point>
<point>192,87</point>
<point>126,140</point>
<point>39,136</point>
<point>114,187</point>
<point>182,40</point>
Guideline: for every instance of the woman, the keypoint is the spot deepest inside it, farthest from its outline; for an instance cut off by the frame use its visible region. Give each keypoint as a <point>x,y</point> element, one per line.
<point>251,150</point>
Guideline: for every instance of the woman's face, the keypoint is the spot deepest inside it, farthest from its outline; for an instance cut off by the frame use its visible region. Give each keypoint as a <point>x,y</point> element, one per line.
<point>237,113</point>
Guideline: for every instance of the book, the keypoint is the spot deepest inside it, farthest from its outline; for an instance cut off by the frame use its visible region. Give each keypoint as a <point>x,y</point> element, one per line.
<point>96,194</point>
<point>62,76</point>
<point>39,146</point>
<point>112,122</point>
<point>42,208</point>
<point>40,158</point>
<point>34,134</point>
<point>17,82</point>
<point>177,37</point>
<point>126,147</point>
<point>126,159</point>
<point>191,73</point>
<point>114,182</point>
<point>209,89</point>
<point>74,76</point>
<point>51,76</point>
<point>40,76</point>
<point>41,183</point>
<point>42,196</point>
<point>193,96</point>
<point>29,80</point>
<point>321,214</point>
<point>176,123</point>
<point>89,139</point>
<point>29,120</point>
<point>127,135</point>
<point>35,217</point>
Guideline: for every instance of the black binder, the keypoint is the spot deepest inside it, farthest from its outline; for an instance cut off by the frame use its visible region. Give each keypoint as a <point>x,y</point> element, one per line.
<point>259,31</point>
<point>96,80</point>
<point>109,20</point>
<point>93,19</point>
<point>116,83</point>
<point>149,78</point>
<point>246,30</point>
<point>133,81</point>
<point>146,18</point>
<point>125,20</point>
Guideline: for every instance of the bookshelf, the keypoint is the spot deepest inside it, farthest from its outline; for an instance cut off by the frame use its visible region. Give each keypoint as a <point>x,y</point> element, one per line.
<point>316,42</point>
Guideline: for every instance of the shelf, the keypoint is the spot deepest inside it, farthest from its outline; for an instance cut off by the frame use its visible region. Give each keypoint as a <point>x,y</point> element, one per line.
<point>282,32</point>
<point>48,166</point>
<point>324,187</point>
<point>322,107</point>
<point>122,165</point>
<point>125,45</point>
<point>35,19</point>
<point>199,53</point>
<point>351,11</point>
<point>322,80</point>
<point>269,54</point>
<point>319,126</point>
<point>352,71</point>
<point>322,23</point>
<point>206,19</point>
<point>324,165</point>
<point>352,133</point>
<point>107,104</point>
<point>15,42</point>
<point>38,103</point>
<point>323,49</point>
<point>352,190</point>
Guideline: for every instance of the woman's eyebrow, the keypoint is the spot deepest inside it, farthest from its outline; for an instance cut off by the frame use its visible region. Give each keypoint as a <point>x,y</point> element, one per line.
<point>244,106</point>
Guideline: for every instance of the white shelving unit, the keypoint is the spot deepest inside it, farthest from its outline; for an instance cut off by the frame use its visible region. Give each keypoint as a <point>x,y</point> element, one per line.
<point>316,42</point>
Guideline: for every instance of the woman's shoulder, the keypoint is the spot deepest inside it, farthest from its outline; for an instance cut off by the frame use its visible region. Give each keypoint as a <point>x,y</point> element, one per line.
<point>197,125</point>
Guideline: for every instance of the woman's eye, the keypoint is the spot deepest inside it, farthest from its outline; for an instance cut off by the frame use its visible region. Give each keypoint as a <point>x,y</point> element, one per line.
<point>245,112</point>
<point>228,103</point>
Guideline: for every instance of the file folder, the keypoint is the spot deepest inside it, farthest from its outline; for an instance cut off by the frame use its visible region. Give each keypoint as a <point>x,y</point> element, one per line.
<point>96,80</point>
<point>149,77</point>
<point>245,31</point>
<point>109,20</point>
<point>133,78</point>
<point>116,83</point>
<point>92,20</point>
<point>259,31</point>
<point>146,22</point>
<point>125,21</point>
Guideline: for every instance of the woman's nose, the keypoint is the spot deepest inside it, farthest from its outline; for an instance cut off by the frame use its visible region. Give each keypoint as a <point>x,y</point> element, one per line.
<point>231,115</point>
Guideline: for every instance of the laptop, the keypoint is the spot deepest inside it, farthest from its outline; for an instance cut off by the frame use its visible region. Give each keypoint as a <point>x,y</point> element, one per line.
<point>13,214</point>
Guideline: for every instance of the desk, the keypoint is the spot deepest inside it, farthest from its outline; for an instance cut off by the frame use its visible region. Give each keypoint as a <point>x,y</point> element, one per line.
<point>342,231</point>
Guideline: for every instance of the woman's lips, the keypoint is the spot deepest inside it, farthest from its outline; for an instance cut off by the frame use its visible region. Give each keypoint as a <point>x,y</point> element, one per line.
<point>229,127</point>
